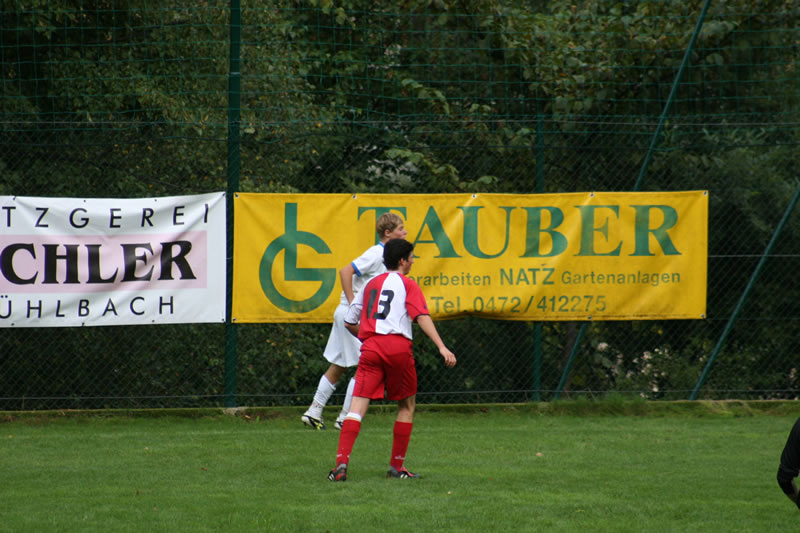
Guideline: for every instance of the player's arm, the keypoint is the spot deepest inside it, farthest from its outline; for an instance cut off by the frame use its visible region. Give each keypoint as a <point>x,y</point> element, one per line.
<point>426,325</point>
<point>353,316</point>
<point>346,274</point>
<point>788,486</point>
<point>789,467</point>
<point>352,328</point>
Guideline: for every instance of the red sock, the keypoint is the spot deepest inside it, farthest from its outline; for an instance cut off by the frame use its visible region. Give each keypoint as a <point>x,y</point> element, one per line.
<point>402,435</point>
<point>347,438</point>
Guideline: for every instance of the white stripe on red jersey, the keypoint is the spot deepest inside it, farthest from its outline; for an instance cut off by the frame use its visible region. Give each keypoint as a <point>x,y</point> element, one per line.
<point>387,305</point>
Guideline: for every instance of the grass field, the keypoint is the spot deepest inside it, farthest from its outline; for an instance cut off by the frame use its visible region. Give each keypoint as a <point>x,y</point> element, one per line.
<point>490,468</point>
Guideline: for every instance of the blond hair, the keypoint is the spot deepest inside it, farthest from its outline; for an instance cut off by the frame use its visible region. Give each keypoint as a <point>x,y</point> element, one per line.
<point>387,222</point>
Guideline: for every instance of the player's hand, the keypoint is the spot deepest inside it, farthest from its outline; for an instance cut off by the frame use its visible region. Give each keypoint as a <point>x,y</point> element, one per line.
<point>449,358</point>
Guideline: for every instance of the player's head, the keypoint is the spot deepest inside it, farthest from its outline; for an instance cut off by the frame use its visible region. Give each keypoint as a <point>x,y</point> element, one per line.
<point>396,250</point>
<point>390,226</point>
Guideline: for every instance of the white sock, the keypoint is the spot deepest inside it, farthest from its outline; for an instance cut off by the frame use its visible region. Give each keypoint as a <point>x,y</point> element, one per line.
<point>348,397</point>
<point>321,397</point>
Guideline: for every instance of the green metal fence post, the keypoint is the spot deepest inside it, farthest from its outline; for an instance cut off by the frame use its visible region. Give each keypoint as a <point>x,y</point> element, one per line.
<point>537,361</point>
<point>234,118</point>
<point>673,90</point>
<point>540,154</point>
<point>671,97</point>
<point>744,296</point>
<point>646,163</point>
<point>568,366</point>
<point>537,329</point>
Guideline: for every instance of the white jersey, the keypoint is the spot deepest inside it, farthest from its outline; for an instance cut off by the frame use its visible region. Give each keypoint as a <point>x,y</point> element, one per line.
<point>366,266</point>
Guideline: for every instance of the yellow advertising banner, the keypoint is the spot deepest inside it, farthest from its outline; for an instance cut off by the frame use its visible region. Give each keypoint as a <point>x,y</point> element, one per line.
<point>573,256</point>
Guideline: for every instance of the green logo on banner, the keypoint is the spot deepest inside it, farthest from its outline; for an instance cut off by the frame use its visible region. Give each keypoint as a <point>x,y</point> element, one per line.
<point>288,243</point>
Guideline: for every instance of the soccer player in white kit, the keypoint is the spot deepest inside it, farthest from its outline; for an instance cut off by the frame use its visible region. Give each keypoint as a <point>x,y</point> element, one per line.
<point>343,349</point>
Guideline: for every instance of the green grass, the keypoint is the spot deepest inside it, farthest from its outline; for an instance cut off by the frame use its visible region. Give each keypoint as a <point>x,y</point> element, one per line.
<point>569,466</point>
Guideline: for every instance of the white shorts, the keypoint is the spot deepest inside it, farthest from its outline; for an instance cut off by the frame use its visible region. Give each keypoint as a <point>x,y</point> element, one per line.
<point>343,347</point>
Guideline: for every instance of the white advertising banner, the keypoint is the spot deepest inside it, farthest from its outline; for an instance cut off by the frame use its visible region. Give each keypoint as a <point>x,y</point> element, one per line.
<point>106,262</point>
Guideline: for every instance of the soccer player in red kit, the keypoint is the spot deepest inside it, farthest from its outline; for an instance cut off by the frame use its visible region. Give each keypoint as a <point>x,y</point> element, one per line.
<point>381,316</point>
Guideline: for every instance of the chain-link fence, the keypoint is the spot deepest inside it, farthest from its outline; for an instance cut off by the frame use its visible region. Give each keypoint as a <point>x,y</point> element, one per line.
<point>135,99</point>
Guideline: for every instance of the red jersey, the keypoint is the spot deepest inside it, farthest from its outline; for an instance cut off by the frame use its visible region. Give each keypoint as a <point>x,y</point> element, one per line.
<point>387,305</point>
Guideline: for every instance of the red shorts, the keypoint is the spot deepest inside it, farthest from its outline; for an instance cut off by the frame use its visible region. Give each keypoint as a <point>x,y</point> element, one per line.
<point>386,361</point>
